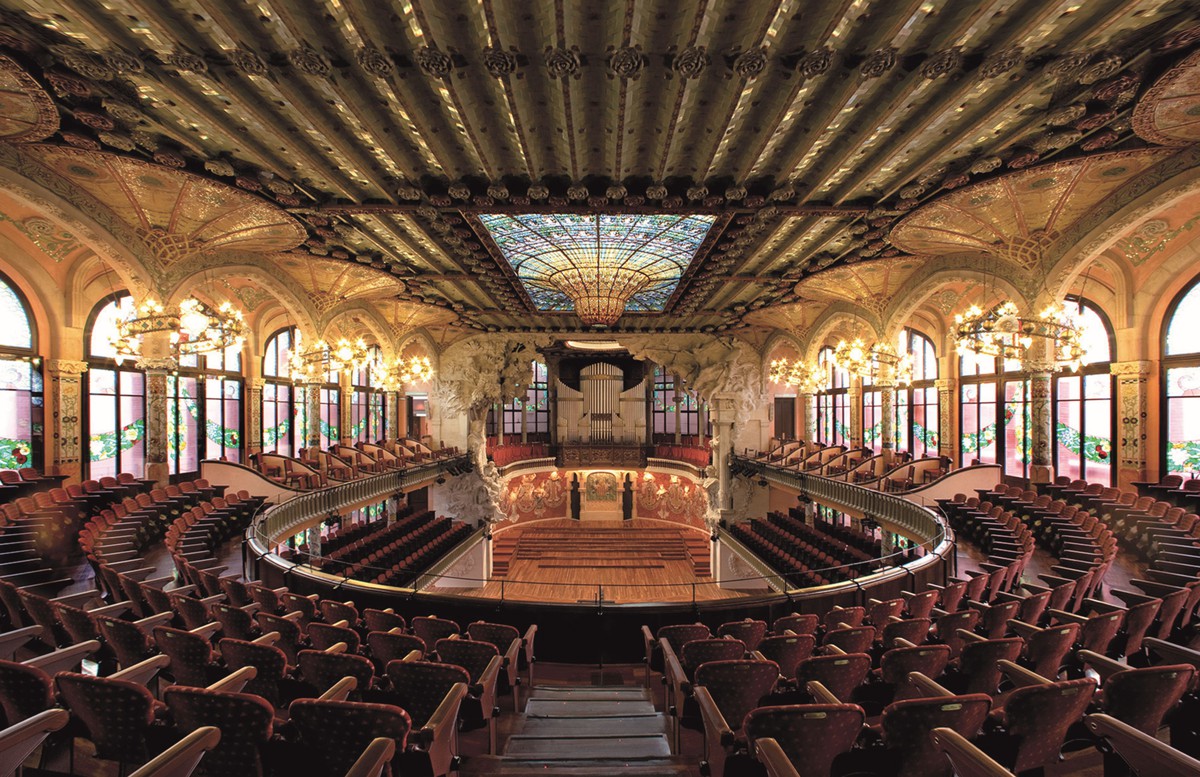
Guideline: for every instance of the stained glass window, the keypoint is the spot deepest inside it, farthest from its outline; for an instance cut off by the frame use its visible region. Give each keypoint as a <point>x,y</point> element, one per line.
<point>116,409</point>
<point>833,403</point>
<point>916,427</point>
<point>1181,383</point>
<point>17,331</point>
<point>675,411</point>
<point>547,252</point>
<point>284,409</point>
<point>22,405</point>
<point>1083,406</point>
<point>104,326</point>
<point>1184,324</point>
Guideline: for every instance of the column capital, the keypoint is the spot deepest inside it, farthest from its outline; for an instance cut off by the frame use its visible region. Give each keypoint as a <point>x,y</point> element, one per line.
<point>945,384</point>
<point>1137,367</point>
<point>162,364</point>
<point>66,367</point>
<point>257,384</point>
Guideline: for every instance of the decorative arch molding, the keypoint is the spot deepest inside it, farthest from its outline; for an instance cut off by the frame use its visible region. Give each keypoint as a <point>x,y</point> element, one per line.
<point>93,225</point>
<point>283,289</point>
<point>840,315</point>
<point>780,339</point>
<point>37,289</point>
<point>1154,190</point>
<point>421,338</point>
<point>371,319</point>
<point>918,290</point>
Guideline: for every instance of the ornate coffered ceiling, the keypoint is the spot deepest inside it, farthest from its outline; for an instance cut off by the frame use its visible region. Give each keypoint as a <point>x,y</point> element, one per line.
<point>371,134</point>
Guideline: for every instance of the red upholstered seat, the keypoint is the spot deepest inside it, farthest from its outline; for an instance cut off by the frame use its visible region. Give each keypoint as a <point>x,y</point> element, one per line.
<point>386,647</point>
<point>382,620</point>
<point>270,662</point>
<point>324,636</point>
<point>116,714</point>
<point>906,726</point>
<point>749,631</point>
<point>245,721</point>
<point>840,674</point>
<point>24,691</point>
<point>336,732</point>
<point>796,622</point>
<point>1036,718</point>
<point>432,629</point>
<point>811,735</point>
<point>787,651</point>
<point>701,651</point>
<point>323,670</point>
<point>191,656</point>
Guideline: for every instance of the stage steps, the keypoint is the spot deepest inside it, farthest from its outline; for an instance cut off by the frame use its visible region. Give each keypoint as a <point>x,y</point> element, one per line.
<point>586,731</point>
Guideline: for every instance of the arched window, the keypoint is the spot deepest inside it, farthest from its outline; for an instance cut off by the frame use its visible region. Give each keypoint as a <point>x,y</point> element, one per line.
<point>1181,383</point>
<point>366,402</point>
<point>116,408</point>
<point>1083,406</point>
<point>284,412</point>
<point>674,410</point>
<point>833,404</point>
<point>916,427</point>
<point>22,404</point>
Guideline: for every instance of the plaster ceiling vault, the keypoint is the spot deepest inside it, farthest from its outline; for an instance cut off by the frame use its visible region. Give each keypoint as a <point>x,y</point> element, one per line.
<point>841,147</point>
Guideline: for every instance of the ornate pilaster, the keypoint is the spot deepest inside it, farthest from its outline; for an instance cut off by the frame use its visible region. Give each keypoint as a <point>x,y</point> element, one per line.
<point>947,433</point>
<point>254,432</point>
<point>345,411</point>
<point>312,398</point>
<point>1132,406</point>
<point>1041,428</point>
<point>158,361</point>
<point>854,396</point>
<point>66,395</point>
<point>810,417</point>
<point>392,408</point>
<point>887,420</point>
<point>724,413</point>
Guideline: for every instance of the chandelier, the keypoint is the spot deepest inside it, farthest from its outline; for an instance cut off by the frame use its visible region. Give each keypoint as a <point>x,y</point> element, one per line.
<point>879,363</point>
<point>1050,342</point>
<point>313,365</point>
<point>392,377</point>
<point>192,330</point>
<point>808,378</point>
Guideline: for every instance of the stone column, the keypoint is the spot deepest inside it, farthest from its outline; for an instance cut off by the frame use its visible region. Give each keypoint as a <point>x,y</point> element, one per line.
<point>158,361</point>
<point>887,421</point>
<point>64,455</point>
<point>1041,428</point>
<point>312,397</point>
<point>723,422</point>
<point>345,416</point>
<point>947,421</point>
<point>1132,406</point>
<point>809,418</point>
<point>253,441</point>
<point>392,408</point>
<point>854,397</point>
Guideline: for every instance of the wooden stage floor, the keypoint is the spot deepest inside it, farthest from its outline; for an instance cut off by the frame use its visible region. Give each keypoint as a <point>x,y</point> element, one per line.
<point>570,561</point>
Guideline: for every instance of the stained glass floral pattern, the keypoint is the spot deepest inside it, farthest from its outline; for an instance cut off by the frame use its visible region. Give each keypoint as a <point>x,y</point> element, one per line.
<point>16,332</point>
<point>543,249</point>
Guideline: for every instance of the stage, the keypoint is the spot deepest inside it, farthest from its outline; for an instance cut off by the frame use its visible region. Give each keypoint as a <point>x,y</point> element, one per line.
<point>625,562</point>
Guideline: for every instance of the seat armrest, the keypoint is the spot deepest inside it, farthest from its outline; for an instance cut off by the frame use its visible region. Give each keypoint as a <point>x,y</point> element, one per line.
<point>965,757</point>
<point>413,655</point>
<point>927,685</point>
<point>270,638</point>
<point>969,636</point>
<point>182,757</point>
<point>1068,617</point>
<point>1022,629</point>
<point>113,610</point>
<point>65,659</point>
<point>209,601</point>
<point>773,759</point>
<point>340,690</point>
<point>208,630</point>
<point>1103,607</point>
<point>337,647</point>
<point>442,722</point>
<point>1136,747</point>
<point>185,590</point>
<point>375,757</point>
<point>159,619</point>
<point>11,640</point>
<point>832,650</point>
<point>144,671</point>
<point>819,692</point>
<point>235,681</point>
<point>1020,676</point>
<point>76,600</point>
<point>716,731</point>
<point>1104,666</point>
<point>1172,652</point>
<point>159,582</point>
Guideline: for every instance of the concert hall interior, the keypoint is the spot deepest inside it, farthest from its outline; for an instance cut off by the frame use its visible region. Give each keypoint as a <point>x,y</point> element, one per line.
<point>655,387</point>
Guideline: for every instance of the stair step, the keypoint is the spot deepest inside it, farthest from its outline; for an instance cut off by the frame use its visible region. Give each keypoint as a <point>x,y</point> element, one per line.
<point>580,727</point>
<point>503,766</point>
<point>546,708</point>
<point>585,748</point>
<point>589,693</point>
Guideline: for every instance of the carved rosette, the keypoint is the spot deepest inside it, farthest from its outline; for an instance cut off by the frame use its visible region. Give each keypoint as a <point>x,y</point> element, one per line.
<point>66,385</point>
<point>1132,403</point>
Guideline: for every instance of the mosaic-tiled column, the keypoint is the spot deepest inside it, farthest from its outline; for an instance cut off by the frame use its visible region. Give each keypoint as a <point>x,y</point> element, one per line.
<point>254,431</point>
<point>947,421</point>
<point>1132,406</point>
<point>345,411</point>
<point>810,417</point>
<point>66,393</point>
<point>887,420</point>
<point>312,398</point>
<point>1041,429</point>
<point>392,401</point>
<point>158,361</point>
<point>855,398</point>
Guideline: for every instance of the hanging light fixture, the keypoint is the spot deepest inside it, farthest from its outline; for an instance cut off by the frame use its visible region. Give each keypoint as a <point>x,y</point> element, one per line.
<point>401,372</point>
<point>312,366</point>
<point>1003,331</point>
<point>192,330</point>
<point>878,362</point>
<point>806,377</point>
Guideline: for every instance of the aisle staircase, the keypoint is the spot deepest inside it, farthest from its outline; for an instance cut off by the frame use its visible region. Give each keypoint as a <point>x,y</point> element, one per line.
<point>586,731</point>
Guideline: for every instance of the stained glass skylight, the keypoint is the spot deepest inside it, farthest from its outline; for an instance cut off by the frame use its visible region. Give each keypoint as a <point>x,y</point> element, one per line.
<point>598,265</point>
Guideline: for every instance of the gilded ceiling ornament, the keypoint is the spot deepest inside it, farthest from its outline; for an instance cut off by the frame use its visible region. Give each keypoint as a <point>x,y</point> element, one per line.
<point>913,190</point>
<point>375,61</point>
<point>905,204</point>
<point>735,193</point>
<point>247,61</point>
<point>483,200</point>
<point>498,191</point>
<point>440,200</point>
<point>121,111</point>
<point>1065,138</point>
<point>933,174</point>
<point>697,192</point>
<point>1179,40</point>
<point>879,62</point>
<point>88,64</point>
<point>117,141</point>
<point>537,192</point>
<point>219,167</point>
<point>1095,121</point>
<point>562,63</point>
<point>627,62</point>
<point>459,191</point>
<point>96,121</point>
<point>308,61</point>
<point>577,192</point>
<point>656,191</point>
<point>279,186</point>
<point>750,64</point>
<point>1069,62</point>
<point>187,62</point>
<point>1023,158</point>
<point>1100,140</point>
<point>146,140</point>
<point>247,183</point>
<point>123,62</point>
<point>409,193</point>
<point>942,63</point>
<point>1104,66</point>
<point>434,61</point>
<point>1000,62</point>
<point>616,192</point>
<point>690,62</point>
<point>1060,117</point>
<point>783,193</point>
<point>80,141</point>
<point>956,180</point>
<point>1113,87</point>
<point>985,165</point>
<point>815,63</point>
<point>168,158</point>
<point>499,62</point>
<point>65,85</point>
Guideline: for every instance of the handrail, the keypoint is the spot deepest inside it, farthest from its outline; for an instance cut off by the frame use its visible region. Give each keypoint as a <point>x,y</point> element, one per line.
<point>284,519</point>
